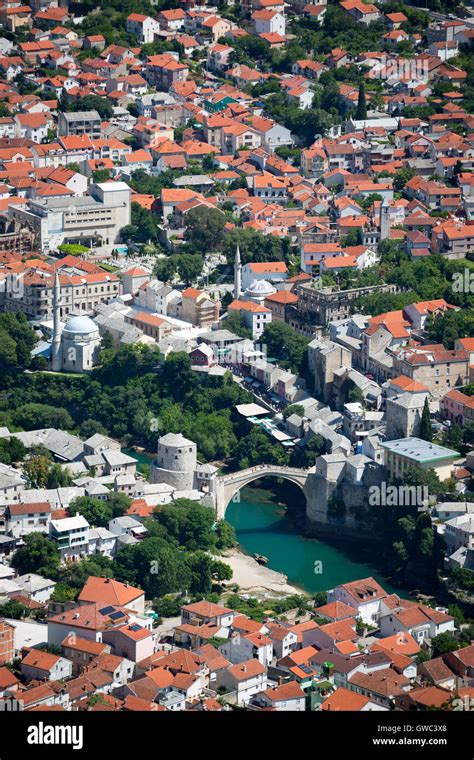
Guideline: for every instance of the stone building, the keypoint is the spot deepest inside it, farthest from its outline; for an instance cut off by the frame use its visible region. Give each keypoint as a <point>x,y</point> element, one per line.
<point>323,359</point>
<point>403,415</point>
<point>175,463</point>
<point>436,367</point>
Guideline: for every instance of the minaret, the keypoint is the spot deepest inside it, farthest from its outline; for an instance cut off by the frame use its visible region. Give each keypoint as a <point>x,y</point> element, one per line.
<point>237,274</point>
<point>56,343</point>
<point>385,220</point>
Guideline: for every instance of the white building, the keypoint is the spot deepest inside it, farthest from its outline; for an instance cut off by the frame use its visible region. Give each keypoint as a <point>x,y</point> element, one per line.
<point>271,271</point>
<point>21,519</point>
<point>44,666</point>
<point>365,596</point>
<point>36,587</point>
<point>269,22</point>
<point>240,648</point>
<point>245,679</point>
<point>94,220</point>
<point>72,536</point>
<point>102,541</point>
<point>79,345</point>
<point>143,27</point>
<point>459,532</point>
<point>255,316</point>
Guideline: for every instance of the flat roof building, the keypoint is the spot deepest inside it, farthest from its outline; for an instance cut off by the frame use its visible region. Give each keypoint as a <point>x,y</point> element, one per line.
<point>404,453</point>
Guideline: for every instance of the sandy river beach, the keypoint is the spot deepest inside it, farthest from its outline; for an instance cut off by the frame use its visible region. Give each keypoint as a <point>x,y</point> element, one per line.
<point>255,578</point>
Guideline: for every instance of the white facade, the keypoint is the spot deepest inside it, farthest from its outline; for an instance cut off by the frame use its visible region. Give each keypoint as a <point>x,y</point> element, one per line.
<point>93,220</point>
<point>143,27</point>
<point>24,519</point>
<point>72,536</point>
<point>269,23</point>
<point>242,648</point>
<point>61,669</point>
<point>102,541</point>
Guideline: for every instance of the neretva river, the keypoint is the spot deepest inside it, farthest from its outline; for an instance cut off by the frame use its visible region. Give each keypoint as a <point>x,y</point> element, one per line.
<point>263,527</point>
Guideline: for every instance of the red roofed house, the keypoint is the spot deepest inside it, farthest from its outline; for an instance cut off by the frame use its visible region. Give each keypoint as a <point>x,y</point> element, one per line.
<point>457,407</point>
<point>279,303</point>
<point>360,11</point>
<point>43,666</point>
<point>143,27</point>
<point>434,366</point>
<point>365,596</point>
<point>273,271</point>
<point>256,316</point>
<point>110,591</point>
<point>269,22</point>
<point>22,519</point>
<point>198,308</point>
<point>131,641</point>
<point>285,697</point>
<point>246,679</point>
<point>164,70</point>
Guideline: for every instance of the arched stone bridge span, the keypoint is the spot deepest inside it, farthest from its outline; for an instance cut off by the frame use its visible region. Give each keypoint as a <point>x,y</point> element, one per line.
<point>228,485</point>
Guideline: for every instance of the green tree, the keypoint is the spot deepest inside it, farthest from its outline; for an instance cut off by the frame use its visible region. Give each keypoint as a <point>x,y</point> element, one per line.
<point>189,267</point>
<point>157,566</point>
<point>58,477</point>
<point>287,346</point>
<point>426,431</point>
<point>225,535</point>
<point>205,228</point>
<point>444,643</point>
<point>36,470</point>
<point>11,450</point>
<point>188,523</point>
<point>220,571</point>
<point>39,555</point>
<point>257,448</point>
<point>361,111</point>
<point>293,409</point>
<point>200,566</point>
<point>165,268</point>
<point>235,322</point>
<point>99,512</point>
<point>13,609</point>
<point>33,416</point>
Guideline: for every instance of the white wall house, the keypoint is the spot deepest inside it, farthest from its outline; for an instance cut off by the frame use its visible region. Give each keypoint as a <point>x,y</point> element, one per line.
<point>240,648</point>
<point>22,519</point>
<point>143,27</point>
<point>72,536</point>
<point>246,679</point>
<point>269,22</point>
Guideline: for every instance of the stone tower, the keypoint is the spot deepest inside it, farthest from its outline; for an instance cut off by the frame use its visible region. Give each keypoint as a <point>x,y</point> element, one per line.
<point>237,274</point>
<point>56,363</point>
<point>175,463</point>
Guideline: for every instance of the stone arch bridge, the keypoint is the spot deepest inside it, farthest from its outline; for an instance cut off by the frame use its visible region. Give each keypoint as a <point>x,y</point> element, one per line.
<point>228,485</point>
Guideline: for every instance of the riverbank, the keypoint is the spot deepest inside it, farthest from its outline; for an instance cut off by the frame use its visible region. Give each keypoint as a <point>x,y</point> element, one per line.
<point>257,579</point>
<point>309,565</point>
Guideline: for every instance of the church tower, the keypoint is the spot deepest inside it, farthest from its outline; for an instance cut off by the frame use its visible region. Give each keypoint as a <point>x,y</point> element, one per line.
<point>56,363</point>
<point>237,274</point>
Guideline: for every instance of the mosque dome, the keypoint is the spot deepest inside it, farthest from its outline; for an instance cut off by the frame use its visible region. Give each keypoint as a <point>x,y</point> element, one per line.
<point>80,326</point>
<point>258,290</point>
